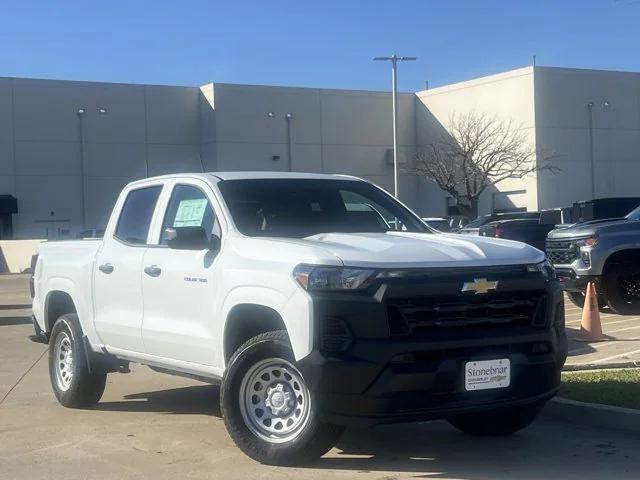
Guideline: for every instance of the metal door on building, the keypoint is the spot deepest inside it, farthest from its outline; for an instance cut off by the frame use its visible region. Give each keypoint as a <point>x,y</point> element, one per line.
<point>8,207</point>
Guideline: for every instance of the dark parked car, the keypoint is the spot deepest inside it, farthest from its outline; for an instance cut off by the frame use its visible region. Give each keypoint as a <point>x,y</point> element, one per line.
<point>527,230</point>
<point>601,208</point>
<point>473,227</point>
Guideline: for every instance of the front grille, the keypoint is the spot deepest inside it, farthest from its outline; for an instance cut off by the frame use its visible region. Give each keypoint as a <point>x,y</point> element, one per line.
<point>492,311</point>
<point>561,252</point>
<point>335,335</point>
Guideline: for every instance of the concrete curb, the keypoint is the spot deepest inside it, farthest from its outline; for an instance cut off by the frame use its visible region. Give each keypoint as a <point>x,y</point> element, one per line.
<point>594,415</point>
<point>601,366</point>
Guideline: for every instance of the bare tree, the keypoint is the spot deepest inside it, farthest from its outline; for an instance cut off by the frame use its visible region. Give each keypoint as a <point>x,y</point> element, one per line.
<point>476,153</point>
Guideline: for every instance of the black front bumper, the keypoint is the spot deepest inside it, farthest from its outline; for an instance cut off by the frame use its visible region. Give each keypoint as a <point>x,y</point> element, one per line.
<point>378,374</point>
<point>571,282</point>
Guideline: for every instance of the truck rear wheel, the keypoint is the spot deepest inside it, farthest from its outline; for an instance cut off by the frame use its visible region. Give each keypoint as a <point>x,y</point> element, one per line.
<point>267,407</point>
<point>622,286</point>
<point>578,298</point>
<point>73,384</point>
<point>495,423</point>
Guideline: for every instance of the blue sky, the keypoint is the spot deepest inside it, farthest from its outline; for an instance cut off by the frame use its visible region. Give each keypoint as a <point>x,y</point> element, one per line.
<point>324,43</point>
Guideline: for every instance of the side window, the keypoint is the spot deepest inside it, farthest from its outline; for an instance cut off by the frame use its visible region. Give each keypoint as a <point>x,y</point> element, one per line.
<point>189,207</point>
<point>136,214</point>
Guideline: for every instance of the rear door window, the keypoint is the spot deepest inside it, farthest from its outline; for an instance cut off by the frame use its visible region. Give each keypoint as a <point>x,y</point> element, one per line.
<point>136,214</point>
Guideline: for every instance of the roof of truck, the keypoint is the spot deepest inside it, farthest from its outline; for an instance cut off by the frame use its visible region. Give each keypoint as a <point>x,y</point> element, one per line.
<point>244,176</point>
<point>265,175</point>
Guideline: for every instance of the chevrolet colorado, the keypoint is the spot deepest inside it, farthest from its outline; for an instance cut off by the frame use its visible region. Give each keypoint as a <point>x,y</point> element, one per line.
<point>316,301</point>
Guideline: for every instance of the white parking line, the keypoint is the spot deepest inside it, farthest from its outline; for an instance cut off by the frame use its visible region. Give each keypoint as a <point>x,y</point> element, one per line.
<point>616,356</point>
<point>604,323</point>
<point>601,345</point>
<point>623,329</point>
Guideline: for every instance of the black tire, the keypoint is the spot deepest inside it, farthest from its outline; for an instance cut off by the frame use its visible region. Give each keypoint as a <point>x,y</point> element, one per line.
<point>84,388</point>
<point>497,423</point>
<point>578,298</point>
<point>622,288</point>
<point>314,438</point>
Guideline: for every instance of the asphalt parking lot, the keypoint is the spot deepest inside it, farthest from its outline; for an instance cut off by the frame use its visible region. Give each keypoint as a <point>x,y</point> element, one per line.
<point>150,425</point>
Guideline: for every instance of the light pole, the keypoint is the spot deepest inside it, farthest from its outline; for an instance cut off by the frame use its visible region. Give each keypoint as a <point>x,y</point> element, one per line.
<point>394,59</point>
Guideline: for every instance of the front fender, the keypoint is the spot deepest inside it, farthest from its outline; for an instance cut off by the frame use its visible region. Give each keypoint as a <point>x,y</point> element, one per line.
<point>296,312</point>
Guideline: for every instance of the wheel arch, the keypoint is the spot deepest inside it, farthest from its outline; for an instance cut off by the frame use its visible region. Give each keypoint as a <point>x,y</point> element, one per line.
<point>619,256</point>
<point>266,308</point>
<point>245,321</point>
<point>57,303</point>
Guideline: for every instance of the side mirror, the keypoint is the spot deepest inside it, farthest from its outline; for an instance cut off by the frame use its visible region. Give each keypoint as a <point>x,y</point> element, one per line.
<point>186,238</point>
<point>169,235</point>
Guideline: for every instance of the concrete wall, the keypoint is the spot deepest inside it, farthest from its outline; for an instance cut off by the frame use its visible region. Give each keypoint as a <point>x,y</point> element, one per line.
<point>331,131</point>
<point>150,130</point>
<point>507,95</point>
<point>562,126</point>
<point>43,142</point>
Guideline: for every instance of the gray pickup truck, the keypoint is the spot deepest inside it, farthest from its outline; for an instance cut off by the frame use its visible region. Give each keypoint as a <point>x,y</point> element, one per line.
<point>604,251</point>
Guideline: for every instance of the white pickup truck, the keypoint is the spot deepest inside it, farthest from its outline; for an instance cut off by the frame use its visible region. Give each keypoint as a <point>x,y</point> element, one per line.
<point>316,301</point>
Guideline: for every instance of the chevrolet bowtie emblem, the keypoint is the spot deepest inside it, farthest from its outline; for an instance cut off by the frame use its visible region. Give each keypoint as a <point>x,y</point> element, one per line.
<point>479,285</point>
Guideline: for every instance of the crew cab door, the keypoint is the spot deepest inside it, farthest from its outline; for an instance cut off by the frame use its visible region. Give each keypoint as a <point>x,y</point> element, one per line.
<point>179,280</point>
<point>118,270</point>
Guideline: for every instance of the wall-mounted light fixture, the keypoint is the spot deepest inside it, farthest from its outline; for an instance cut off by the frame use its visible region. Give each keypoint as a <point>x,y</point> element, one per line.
<point>102,110</point>
<point>607,104</point>
<point>81,111</point>
<point>271,114</point>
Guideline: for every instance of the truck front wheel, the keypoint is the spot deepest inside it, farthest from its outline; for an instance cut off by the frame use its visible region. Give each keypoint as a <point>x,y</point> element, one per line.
<point>267,407</point>
<point>495,423</point>
<point>73,384</point>
<point>622,286</point>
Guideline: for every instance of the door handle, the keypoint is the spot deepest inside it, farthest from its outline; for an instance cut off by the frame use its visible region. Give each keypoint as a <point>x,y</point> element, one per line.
<point>153,270</point>
<point>106,268</point>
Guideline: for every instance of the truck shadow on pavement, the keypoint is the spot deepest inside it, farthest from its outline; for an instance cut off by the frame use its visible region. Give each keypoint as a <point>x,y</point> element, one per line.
<point>198,399</point>
<point>6,321</point>
<point>434,449</point>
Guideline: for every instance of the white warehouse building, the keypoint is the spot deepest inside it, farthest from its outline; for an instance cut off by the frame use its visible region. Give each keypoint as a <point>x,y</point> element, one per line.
<point>68,147</point>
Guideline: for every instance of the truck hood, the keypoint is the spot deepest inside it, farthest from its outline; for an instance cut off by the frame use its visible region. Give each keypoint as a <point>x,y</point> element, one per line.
<point>586,228</point>
<point>415,250</point>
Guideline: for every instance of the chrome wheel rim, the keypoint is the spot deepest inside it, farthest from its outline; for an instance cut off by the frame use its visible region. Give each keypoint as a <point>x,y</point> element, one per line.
<point>63,356</point>
<point>274,400</point>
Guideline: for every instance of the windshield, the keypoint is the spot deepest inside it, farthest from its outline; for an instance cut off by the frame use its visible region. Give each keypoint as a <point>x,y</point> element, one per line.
<point>300,208</point>
<point>441,225</point>
<point>634,214</point>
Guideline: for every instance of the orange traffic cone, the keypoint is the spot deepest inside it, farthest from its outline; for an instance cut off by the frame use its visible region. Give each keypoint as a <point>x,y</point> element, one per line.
<point>591,327</point>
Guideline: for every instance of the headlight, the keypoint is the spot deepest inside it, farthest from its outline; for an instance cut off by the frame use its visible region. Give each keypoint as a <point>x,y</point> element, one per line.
<point>586,242</point>
<point>544,267</point>
<point>314,277</point>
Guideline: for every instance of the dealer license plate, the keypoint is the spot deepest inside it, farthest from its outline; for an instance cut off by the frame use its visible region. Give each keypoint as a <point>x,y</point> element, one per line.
<point>487,374</point>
